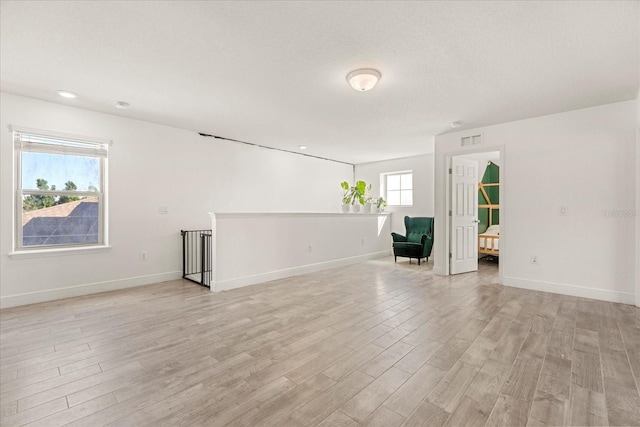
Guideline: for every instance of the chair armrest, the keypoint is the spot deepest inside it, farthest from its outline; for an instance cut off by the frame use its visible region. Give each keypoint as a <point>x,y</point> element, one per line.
<point>398,237</point>
<point>427,244</point>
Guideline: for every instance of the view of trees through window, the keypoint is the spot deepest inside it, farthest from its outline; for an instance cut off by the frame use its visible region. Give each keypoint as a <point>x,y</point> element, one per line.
<point>40,201</point>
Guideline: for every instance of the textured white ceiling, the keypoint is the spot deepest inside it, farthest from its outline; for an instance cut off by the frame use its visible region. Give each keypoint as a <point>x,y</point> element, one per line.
<point>273,73</point>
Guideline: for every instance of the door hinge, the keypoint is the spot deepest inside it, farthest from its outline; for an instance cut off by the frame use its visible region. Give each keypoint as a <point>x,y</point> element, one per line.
<point>450,255</point>
<point>450,213</point>
<point>450,171</point>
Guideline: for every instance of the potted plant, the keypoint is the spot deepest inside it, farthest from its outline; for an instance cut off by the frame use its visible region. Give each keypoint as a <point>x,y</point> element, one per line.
<point>380,204</point>
<point>358,191</point>
<point>368,199</point>
<point>353,195</point>
<point>346,196</point>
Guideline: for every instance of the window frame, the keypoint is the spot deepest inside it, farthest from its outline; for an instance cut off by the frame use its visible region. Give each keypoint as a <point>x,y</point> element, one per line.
<point>384,181</point>
<point>77,146</point>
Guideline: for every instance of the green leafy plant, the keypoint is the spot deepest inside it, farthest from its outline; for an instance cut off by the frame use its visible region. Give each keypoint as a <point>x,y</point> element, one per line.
<point>346,194</point>
<point>368,198</point>
<point>354,193</point>
<point>380,203</point>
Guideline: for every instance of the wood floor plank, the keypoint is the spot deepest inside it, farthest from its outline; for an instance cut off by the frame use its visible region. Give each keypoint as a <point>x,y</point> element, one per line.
<point>77,412</point>
<point>468,413</point>
<point>486,385</point>
<point>384,417</point>
<point>523,379</point>
<point>427,415</point>
<point>585,371</point>
<point>378,365</point>
<point>587,408</point>
<point>508,412</point>
<point>353,361</point>
<point>323,349</point>
<point>548,410</point>
<point>409,396</point>
<point>363,404</point>
<point>338,419</point>
<point>326,403</point>
<point>449,391</point>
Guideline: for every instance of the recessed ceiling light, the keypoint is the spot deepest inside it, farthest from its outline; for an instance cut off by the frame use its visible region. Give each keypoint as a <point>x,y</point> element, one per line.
<point>363,79</point>
<point>302,147</point>
<point>455,124</point>
<point>121,105</point>
<point>66,94</point>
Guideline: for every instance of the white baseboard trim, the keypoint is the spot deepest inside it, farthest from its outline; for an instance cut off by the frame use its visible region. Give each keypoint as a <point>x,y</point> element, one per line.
<point>86,289</point>
<point>572,290</point>
<point>240,282</point>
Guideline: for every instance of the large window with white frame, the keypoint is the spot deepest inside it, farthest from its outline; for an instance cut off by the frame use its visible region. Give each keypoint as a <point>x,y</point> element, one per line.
<point>398,188</point>
<point>60,190</point>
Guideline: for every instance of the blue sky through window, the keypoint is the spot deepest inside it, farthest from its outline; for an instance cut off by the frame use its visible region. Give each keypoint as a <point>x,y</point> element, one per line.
<point>57,169</point>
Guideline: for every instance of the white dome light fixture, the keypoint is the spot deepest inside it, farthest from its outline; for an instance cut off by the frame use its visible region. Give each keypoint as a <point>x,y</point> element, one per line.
<point>363,79</point>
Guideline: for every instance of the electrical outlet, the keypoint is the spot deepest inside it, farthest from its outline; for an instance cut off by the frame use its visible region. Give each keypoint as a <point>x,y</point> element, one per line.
<point>143,256</point>
<point>164,210</point>
<point>535,260</point>
<point>362,241</point>
<point>562,211</point>
<point>310,248</point>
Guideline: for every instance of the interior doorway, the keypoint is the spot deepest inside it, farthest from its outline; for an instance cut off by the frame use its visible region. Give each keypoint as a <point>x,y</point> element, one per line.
<point>475,206</point>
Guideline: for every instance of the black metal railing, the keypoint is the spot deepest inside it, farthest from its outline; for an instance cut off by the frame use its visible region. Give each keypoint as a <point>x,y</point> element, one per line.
<point>196,256</point>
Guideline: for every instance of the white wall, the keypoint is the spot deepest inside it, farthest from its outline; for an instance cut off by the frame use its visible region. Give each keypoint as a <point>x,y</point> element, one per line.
<point>274,246</point>
<point>583,160</point>
<point>422,167</point>
<point>151,166</point>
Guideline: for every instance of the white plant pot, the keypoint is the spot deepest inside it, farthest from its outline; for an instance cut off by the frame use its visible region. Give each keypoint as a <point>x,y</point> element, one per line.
<point>345,208</point>
<point>367,208</point>
<point>355,208</point>
<point>375,209</point>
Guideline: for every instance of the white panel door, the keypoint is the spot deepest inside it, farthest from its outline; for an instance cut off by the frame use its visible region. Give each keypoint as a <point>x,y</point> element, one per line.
<point>464,215</point>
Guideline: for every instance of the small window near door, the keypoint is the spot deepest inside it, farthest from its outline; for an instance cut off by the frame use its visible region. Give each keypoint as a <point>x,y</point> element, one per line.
<point>399,188</point>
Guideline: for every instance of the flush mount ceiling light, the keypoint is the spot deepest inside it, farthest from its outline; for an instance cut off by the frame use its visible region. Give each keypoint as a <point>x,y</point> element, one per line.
<point>121,105</point>
<point>302,147</point>
<point>66,94</point>
<point>455,124</point>
<point>363,79</point>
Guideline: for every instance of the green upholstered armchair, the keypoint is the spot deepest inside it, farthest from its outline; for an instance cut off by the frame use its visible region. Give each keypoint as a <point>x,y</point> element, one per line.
<point>418,240</point>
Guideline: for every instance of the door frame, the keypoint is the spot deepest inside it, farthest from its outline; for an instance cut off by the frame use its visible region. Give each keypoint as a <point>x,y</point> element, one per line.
<point>447,156</point>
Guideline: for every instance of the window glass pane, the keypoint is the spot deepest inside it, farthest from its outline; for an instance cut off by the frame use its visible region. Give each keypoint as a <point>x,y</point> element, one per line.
<point>49,220</point>
<point>393,182</point>
<point>44,171</point>
<point>406,181</point>
<point>393,197</point>
<point>406,197</point>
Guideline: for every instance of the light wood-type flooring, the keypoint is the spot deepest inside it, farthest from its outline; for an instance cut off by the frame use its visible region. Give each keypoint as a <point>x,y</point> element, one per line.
<point>376,344</point>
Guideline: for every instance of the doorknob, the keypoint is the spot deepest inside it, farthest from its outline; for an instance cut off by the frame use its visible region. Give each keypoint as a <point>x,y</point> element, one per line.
<point>476,221</point>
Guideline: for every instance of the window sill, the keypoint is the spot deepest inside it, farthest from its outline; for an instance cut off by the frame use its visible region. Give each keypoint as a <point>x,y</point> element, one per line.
<point>40,253</point>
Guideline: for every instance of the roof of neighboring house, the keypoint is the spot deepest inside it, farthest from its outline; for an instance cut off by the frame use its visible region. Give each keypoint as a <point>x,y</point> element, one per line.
<point>68,223</point>
<point>55,211</point>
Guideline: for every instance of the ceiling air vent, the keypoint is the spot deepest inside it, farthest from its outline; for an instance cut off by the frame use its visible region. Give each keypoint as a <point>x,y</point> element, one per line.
<point>471,140</point>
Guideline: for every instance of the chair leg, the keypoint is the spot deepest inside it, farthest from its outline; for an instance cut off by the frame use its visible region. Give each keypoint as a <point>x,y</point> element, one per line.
<point>418,261</point>
<point>395,259</point>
